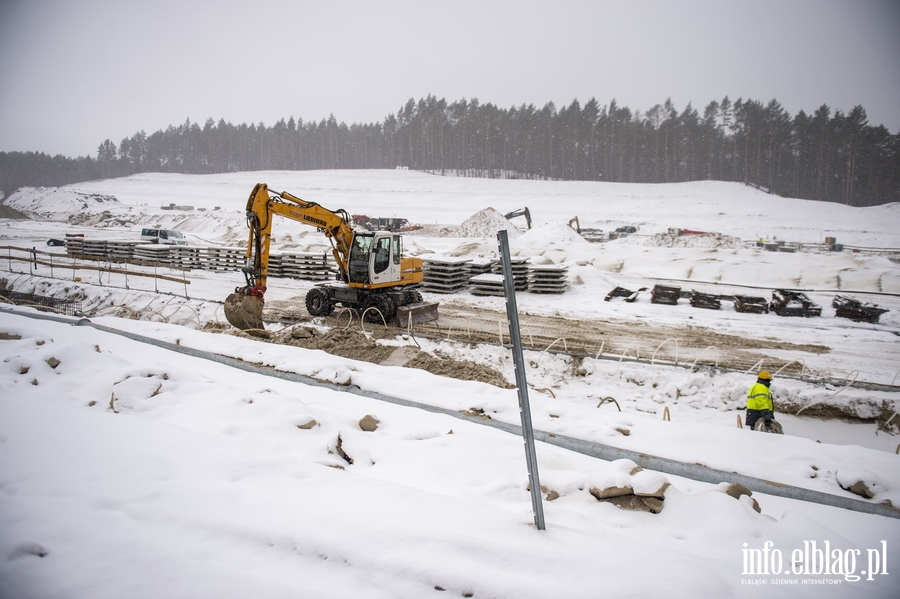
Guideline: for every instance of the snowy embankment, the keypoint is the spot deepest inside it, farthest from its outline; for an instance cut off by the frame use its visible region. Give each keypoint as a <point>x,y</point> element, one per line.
<point>130,470</point>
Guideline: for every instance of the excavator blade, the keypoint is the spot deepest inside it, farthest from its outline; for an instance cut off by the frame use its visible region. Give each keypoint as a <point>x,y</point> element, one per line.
<point>412,314</point>
<point>244,311</point>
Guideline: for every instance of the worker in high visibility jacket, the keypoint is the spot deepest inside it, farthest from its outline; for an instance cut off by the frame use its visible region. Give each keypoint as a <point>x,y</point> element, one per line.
<point>759,400</point>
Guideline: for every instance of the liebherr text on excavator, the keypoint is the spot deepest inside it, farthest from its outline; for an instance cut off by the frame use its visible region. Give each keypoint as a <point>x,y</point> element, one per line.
<point>372,272</point>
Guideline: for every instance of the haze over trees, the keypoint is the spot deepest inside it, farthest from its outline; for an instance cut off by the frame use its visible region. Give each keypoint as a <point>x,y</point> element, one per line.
<point>826,155</point>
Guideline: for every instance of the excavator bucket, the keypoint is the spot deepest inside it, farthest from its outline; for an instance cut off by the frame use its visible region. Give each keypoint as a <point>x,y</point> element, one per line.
<point>412,314</point>
<point>244,311</point>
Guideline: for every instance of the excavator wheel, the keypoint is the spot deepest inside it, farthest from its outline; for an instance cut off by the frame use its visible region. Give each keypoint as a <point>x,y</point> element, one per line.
<point>318,302</point>
<point>384,306</point>
<point>244,311</point>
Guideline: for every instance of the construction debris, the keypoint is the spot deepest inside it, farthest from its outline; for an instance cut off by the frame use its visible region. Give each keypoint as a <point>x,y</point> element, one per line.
<point>662,294</point>
<point>853,309</point>
<point>793,303</point>
<point>750,304</point>
<point>629,295</point>
<point>705,300</point>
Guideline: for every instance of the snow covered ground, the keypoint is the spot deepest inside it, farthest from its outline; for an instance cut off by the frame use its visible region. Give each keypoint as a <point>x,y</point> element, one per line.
<point>130,470</point>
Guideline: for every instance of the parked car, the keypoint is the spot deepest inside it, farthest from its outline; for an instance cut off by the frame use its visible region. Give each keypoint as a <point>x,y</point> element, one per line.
<point>163,236</point>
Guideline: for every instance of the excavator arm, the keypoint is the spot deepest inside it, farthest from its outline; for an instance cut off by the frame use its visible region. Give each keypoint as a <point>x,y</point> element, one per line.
<point>520,212</point>
<point>262,206</point>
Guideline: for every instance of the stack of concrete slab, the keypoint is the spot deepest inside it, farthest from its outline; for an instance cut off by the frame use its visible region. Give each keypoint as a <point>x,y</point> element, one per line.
<point>222,258</point>
<point>120,250</point>
<point>186,256</point>
<point>548,279</point>
<point>275,269</point>
<point>95,247</point>
<point>445,274</point>
<point>480,266</point>
<point>74,245</point>
<point>312,267</point>
<point>519,269</point>
<point>487,284</point>
<point>151,252</point>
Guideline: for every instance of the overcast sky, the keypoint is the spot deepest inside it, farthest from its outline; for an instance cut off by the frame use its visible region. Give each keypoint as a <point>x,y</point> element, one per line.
<point>76,72</point>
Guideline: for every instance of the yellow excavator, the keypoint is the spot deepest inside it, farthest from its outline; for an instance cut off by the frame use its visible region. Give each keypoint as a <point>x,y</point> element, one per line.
<point>373,276</point>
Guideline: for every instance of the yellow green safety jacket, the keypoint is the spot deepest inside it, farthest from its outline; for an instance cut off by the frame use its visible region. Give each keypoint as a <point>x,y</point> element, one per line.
<point>759,397</point>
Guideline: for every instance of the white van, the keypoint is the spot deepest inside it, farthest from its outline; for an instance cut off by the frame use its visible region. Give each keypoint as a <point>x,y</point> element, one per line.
<point>163,236</point>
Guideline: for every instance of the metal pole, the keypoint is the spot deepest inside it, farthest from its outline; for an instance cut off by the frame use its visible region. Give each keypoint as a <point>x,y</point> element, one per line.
<point>515,337</point>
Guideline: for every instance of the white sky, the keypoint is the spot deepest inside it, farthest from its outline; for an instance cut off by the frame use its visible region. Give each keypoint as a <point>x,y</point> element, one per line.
<point>75,72</point>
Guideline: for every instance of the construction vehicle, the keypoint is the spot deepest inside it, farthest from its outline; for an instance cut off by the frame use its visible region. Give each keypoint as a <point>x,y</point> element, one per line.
<point>590,235</point>
<point>379,223</point>
<point>520,212</point>
<point>373,277</point>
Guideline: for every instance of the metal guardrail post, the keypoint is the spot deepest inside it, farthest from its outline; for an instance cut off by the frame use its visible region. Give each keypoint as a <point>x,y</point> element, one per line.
<point>515,337</point>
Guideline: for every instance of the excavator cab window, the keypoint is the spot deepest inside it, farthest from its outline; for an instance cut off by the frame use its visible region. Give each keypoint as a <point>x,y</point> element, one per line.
<point>382,255</point>
<point>396,249</point>
<point>359,258</point>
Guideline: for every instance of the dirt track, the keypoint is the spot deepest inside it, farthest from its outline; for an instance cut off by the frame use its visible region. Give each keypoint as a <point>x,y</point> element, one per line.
<point>588,337</point>
<point>629,338</point>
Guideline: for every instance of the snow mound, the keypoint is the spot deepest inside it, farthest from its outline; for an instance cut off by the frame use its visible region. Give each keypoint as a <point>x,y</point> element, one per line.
<point>486,223</point>
<point>702,240</point>
<point>861,482</point>
<point>552,233</point>
<point>58,204</point>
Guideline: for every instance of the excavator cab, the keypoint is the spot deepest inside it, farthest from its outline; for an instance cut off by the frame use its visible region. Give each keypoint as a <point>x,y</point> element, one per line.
<point>358,264</point>
<point>385,258</point>
<point>375,258</point>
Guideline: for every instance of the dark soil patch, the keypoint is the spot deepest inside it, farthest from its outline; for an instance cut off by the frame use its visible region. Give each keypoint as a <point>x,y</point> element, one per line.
<point>353,344</point>
<point>12,213</point>
<point>458,369</point>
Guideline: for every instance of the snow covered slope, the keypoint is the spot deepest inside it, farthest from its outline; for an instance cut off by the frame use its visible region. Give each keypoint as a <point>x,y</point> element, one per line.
<point>129,470</point>
<point>729,208</point>
<point>52,203</point>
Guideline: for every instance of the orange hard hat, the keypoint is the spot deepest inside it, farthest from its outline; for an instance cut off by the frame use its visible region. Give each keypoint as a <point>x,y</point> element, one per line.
<point>765,375</point>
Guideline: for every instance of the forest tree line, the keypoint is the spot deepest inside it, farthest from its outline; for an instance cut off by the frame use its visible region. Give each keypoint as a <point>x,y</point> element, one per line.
<point>827,155</point>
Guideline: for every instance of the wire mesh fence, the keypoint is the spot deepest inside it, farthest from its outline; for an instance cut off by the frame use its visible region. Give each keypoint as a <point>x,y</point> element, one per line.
<point>54,304</point>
